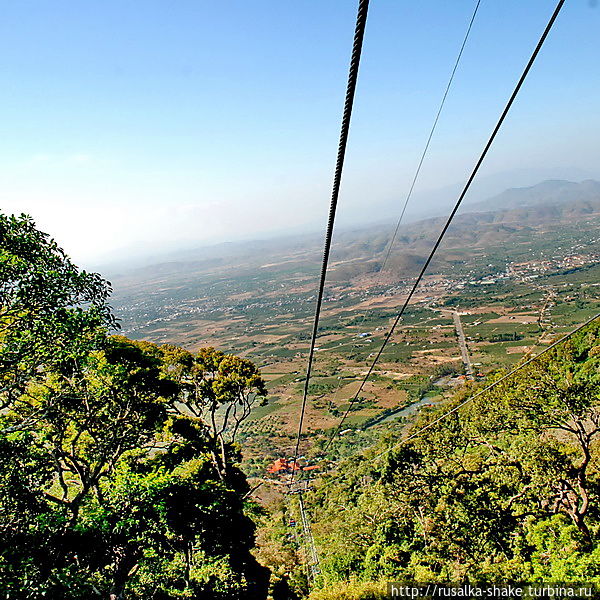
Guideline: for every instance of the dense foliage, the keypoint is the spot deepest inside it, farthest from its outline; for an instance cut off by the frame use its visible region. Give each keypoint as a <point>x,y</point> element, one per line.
<point>506,488</point>
<point>120,476</point>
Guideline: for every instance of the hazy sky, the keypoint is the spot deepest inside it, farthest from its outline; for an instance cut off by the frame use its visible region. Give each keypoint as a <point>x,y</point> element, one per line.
<point>166,123</point>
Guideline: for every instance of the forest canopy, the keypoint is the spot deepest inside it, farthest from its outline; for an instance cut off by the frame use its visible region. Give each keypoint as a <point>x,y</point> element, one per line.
<point>121,473</point>
<point>504,489</point>
<point>121,478</point>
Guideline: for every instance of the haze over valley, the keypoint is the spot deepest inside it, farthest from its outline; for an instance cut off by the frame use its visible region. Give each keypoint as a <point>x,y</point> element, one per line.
<point>518,268</point>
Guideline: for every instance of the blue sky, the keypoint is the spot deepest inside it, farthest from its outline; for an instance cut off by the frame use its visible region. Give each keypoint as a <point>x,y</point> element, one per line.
<point>160,124</point>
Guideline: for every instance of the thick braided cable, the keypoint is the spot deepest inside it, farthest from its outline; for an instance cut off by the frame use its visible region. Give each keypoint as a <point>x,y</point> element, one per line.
<point>361,21</point>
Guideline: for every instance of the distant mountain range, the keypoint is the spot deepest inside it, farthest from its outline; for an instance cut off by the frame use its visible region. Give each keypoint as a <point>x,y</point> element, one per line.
<point>353,212</point>
<point>478,224</point>
<point>553,191</point>
<point>510,217</point>
<point>490,186</point>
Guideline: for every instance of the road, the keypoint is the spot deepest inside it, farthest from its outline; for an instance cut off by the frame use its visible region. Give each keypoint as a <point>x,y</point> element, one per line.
<point>462,342</point>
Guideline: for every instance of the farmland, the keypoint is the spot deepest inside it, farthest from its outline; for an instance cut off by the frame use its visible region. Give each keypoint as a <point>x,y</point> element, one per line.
<point>514,287</point>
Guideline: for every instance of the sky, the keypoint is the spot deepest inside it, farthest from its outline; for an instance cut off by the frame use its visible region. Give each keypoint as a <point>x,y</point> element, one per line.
<point>132,127</point>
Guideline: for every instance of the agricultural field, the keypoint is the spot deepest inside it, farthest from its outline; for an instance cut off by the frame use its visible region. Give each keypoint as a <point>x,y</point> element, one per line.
<point>514,290</point>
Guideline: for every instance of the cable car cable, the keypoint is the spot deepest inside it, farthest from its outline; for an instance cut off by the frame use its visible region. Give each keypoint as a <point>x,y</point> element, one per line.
<point>453,213</point>
<point>421,161</point>
<point>433,128</point>
<point>476,395</point>
<point>361,21</point>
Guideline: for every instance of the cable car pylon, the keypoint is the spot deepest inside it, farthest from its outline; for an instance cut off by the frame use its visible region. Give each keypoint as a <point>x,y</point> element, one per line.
<point>314,567</point>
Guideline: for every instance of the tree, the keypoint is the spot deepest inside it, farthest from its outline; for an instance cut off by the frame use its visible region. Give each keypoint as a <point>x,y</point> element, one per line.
<point>220,389</point>
<point>125,487</point>
<point>506,488</point>
<point>109,490</point>
<point>51,313</point>
<point>560,393</point>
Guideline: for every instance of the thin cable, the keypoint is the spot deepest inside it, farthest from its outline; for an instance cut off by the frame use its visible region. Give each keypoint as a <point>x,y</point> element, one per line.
<point>361,21</point>
<point>476,395</point>
<point>422,159</point>
<point>454,211</point>
<point>486,389</point>
<point>433,128</point>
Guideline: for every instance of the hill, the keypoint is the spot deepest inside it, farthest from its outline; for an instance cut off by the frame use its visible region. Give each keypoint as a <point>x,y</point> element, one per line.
<point>516,275</point>
<point>513,218</point>
<point>545,193</point>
